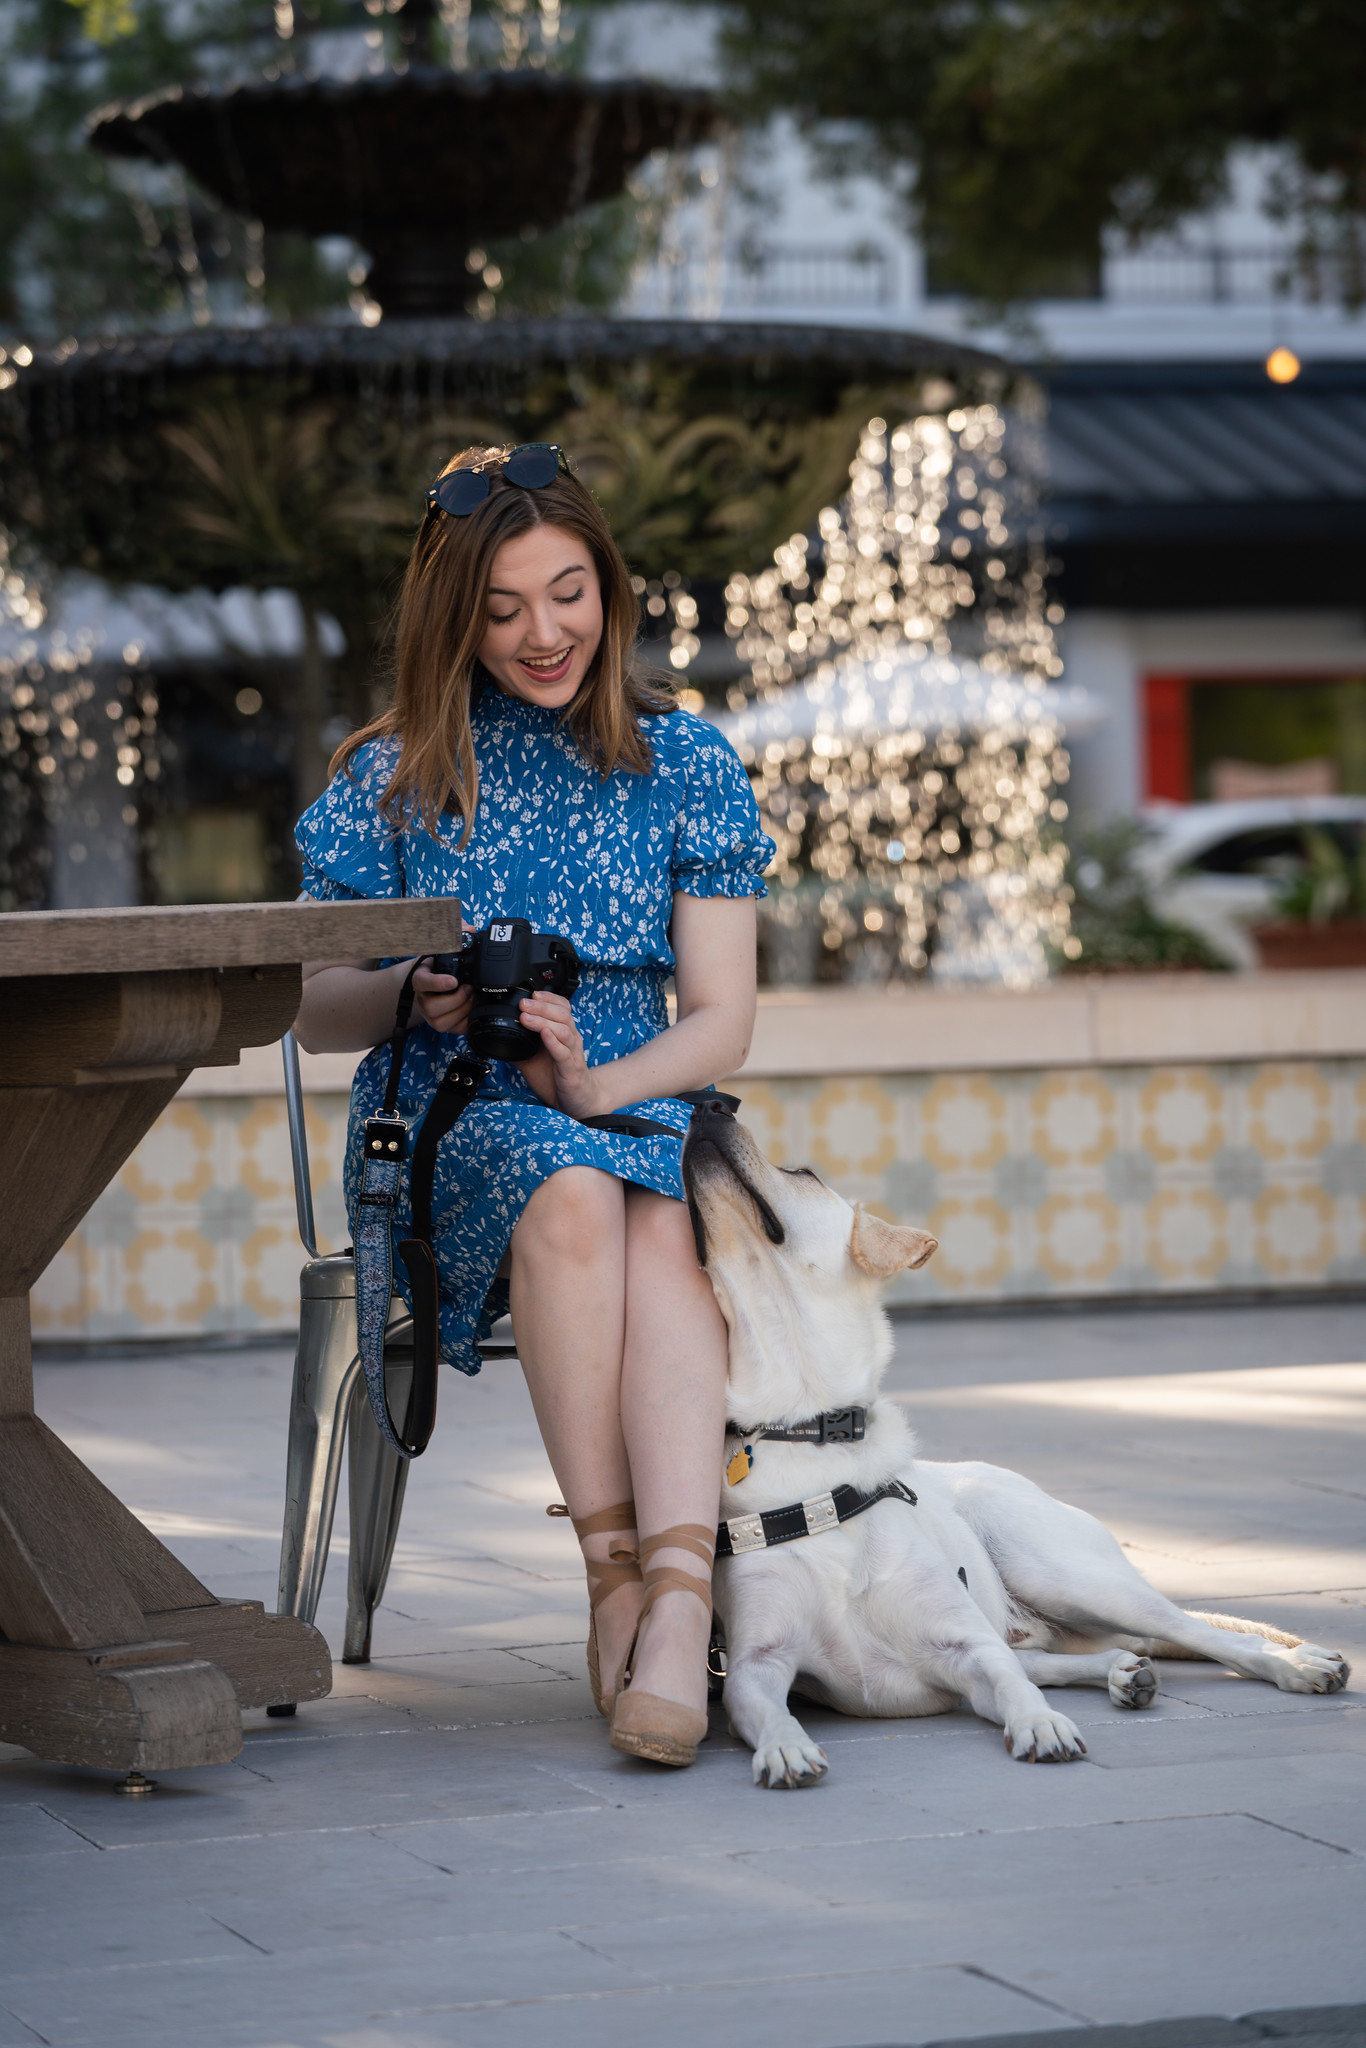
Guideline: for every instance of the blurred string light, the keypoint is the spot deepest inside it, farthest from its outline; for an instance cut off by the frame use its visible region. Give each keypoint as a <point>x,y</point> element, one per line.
<point>66,731</point>
<point>667,597</point>
<point>916,815</point>
<point>932,550</point>
<point>1282,365</point>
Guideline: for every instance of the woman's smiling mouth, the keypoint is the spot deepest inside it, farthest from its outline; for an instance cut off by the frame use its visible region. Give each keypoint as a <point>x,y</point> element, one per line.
<point>547,668</point>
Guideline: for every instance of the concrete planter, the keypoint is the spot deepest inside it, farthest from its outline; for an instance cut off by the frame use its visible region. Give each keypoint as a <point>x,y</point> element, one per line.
<point>1294,947</point>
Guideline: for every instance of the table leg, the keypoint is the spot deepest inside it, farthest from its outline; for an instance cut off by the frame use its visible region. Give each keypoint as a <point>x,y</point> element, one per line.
<point>111,1651</point>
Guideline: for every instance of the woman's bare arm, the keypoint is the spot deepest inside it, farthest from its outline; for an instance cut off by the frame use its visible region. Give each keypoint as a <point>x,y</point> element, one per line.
<point>348,1006</point>
<point>714,948</point>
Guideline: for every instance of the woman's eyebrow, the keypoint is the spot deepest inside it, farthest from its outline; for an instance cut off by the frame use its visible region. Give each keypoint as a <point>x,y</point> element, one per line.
<point>574,569</point>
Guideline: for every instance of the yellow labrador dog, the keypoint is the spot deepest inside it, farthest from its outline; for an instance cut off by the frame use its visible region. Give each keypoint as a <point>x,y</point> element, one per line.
<point>872,1581</point>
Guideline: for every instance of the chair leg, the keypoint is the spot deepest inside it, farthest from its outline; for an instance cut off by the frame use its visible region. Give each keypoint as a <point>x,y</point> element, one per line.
<point>378,1478</point>
<point>326,1367</point>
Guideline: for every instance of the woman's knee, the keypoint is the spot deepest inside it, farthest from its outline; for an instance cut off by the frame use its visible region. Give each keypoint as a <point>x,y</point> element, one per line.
<point>576,1214</point>
<point>659,1231</point>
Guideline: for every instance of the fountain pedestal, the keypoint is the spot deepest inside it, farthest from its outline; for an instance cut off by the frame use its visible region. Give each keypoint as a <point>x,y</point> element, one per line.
<point>111,1651</point>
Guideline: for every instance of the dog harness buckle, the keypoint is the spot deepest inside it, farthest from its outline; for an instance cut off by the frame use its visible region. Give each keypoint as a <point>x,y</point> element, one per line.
<point>747,1533</point>
<point>821,1514</point>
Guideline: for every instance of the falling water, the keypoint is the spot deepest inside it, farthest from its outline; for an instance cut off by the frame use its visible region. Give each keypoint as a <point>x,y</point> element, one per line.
<point>78,744</point>
<point>898,722</point>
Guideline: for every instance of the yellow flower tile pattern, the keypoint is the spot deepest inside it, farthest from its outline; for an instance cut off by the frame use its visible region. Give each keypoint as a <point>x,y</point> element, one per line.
<point>1087,1181</point>
<point>1094,1181</point>
<point>197,1235</point>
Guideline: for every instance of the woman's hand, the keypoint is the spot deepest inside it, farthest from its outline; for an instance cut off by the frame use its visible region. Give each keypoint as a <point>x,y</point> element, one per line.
<point>441,1001</point>
<point>559,1072</point>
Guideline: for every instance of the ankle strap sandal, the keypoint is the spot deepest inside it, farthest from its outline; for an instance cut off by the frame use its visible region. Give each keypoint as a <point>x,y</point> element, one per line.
<point>663,1731</point>
<point>621,1567</point>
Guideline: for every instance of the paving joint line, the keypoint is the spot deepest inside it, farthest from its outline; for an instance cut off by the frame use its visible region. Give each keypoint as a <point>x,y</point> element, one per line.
<point>1284,1828</point>
<point>670,1988</point>
<point>238,1935</point>
<point>62,1822</point>
<point>1005,1984</point>
<point>44,2040</point>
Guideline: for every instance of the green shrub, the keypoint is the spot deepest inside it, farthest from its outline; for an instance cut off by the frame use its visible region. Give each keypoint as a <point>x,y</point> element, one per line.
<point>1330,884</point>
<point>1112,911</point>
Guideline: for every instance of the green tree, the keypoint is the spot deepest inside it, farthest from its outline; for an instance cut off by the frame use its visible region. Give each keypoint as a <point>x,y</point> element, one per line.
<point>86,242</point>
<point>1020,132</point>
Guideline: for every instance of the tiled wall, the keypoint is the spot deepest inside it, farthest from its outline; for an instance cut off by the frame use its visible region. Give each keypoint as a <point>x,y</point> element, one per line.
<point>1099,1180</point>
<point>1086,1181</point>
<point>198,1234</point>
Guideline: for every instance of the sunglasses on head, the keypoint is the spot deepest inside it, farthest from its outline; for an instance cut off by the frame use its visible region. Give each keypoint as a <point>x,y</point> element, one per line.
<point>532,466</point>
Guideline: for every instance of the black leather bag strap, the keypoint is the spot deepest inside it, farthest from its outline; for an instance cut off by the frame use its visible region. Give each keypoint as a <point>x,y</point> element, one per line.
<point>631,1126</point>
<point>627,1126</point>
<point>457,1089</point>
<point>398,1041</point>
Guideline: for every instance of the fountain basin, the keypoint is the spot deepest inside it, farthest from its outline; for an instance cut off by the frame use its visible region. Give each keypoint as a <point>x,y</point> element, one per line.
<point>416,166</point>
<point>298,455</point>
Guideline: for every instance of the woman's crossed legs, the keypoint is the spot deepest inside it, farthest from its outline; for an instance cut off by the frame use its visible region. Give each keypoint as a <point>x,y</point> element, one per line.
<point>624,1351</point>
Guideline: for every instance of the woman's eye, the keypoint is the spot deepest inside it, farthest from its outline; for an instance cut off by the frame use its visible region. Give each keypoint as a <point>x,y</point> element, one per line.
<point>572,597</point>
<point>501,618</point>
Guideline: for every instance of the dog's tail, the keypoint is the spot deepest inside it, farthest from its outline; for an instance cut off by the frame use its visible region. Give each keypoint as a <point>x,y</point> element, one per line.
<point>1153,1646</point>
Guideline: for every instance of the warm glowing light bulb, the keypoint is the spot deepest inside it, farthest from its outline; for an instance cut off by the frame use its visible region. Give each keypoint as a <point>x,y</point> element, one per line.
<point>1282,366</point>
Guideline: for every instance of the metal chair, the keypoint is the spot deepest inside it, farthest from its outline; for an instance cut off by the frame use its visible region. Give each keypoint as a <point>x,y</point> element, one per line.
<point>328,1405</point>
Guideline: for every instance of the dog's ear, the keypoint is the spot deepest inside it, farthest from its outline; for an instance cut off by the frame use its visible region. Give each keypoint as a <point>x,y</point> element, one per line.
<point>885,1248</point>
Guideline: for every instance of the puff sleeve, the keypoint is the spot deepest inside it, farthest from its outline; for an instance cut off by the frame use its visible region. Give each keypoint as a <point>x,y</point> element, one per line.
<point>348,850</point>
<point>720,849</point>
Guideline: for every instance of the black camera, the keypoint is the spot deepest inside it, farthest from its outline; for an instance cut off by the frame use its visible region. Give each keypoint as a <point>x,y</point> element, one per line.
<point>503,964</point>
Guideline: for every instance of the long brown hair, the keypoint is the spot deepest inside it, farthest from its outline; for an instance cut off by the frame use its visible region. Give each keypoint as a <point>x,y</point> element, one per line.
<point>440,620</point>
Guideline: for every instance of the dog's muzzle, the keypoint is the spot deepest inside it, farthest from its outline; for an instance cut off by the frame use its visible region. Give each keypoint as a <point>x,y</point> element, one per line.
<point>713,1121</point>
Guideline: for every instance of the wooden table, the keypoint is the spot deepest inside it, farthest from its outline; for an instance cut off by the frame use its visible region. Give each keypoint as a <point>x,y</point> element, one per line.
<point>111,1652</point>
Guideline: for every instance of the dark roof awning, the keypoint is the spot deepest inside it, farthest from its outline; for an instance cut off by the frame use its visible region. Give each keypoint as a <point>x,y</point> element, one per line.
<point>1211,451</point>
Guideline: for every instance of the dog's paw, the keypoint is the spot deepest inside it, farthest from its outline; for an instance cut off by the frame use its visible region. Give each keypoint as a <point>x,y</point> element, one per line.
<point>1307,1668</point>
<point>790,1763</point>
<point>1044,1738</point>
<point>1133,1681</point>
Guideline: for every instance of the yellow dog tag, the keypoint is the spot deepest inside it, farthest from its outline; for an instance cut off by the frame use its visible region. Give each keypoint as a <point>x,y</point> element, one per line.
<point>740,1465</point>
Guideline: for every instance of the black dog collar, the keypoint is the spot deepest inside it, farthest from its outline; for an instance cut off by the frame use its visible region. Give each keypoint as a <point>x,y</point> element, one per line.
<point>803,1518</point>
<point>834,1426</point>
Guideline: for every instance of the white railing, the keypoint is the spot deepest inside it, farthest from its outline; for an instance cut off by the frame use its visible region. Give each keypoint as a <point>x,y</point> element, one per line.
<point>755,276</point>
<point>869,276</point>
<point>1216,274</point>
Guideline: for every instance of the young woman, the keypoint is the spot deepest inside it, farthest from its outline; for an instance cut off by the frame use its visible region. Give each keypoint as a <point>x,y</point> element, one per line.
<point>527,768</point>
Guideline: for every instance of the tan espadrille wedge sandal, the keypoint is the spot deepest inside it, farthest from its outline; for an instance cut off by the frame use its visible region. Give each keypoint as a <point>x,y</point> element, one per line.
<point>663,1731</point>
<point>620,1568</point>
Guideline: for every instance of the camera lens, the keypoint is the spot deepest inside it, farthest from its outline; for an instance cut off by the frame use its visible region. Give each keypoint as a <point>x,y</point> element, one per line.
<point>495,1032</point>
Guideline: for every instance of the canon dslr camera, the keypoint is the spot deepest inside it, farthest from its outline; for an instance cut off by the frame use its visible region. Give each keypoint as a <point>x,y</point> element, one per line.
<point>503,964</point>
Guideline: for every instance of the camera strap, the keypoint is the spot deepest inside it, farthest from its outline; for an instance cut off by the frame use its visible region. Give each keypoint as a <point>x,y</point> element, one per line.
<point>384,1154</point>
<point>624,1126</point>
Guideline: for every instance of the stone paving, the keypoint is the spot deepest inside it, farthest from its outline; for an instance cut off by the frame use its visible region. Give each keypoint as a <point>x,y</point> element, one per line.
<point>446,1854</point>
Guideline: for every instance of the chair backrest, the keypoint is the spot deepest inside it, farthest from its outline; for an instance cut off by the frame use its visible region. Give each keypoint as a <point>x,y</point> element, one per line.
<point>298,1144</point>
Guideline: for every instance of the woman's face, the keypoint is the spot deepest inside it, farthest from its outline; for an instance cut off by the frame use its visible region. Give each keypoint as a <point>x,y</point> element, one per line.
<point>544,616</point>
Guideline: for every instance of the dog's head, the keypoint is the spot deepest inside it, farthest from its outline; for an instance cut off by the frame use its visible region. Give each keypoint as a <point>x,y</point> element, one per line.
<point>797,1271</point>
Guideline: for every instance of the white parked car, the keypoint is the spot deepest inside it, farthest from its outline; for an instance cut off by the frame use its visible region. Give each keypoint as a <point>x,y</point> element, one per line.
<point>1215,867</point>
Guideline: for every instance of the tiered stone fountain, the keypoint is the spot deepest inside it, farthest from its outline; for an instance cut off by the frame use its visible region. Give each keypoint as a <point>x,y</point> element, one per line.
<point>274,455</point>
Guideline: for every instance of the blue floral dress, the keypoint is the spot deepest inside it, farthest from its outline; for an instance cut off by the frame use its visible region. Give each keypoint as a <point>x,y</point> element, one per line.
<point>595,860</point>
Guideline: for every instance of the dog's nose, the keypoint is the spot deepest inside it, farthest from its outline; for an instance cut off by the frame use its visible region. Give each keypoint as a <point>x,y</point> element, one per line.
<point>712,1104</point>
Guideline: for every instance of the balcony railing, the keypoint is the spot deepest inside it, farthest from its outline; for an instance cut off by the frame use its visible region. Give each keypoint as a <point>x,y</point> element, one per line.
<point>868,276</point>
<point>754,276</point>
<point>1217,274</point>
